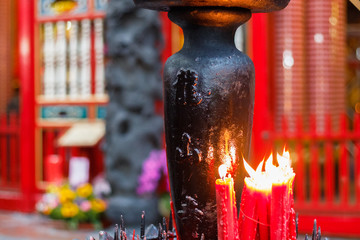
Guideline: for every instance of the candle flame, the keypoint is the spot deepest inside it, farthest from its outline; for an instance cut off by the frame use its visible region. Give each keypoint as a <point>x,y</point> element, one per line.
<point>249,169</point>
<point>263,180</point>
<point>223,171</point>
<point>260,167</point>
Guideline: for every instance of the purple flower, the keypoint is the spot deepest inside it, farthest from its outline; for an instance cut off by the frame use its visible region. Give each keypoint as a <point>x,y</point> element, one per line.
<point>154,168</point>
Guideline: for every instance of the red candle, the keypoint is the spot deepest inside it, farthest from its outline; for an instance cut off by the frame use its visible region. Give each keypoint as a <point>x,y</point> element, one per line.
<point>248,214</point>
<point>267,205</point>
<point>279,212</point>
<point>226,206</point>
<point>292,224</point>
<point>264,206</point>
<point>281,198</point>
<point>255,205</point>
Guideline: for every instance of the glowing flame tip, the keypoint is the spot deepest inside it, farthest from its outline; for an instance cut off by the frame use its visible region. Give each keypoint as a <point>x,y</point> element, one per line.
<point>260,166</point>
<point>249,169</point>
<point>222,171</point>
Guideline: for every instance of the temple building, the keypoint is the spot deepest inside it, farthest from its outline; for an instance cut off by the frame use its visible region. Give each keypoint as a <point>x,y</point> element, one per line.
<point>53,88</point>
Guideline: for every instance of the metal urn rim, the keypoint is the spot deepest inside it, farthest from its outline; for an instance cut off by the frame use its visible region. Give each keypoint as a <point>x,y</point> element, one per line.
<point>255,6</point>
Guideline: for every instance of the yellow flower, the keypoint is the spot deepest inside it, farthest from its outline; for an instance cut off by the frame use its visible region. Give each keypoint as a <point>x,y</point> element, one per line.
<point>66,195</point>
<point>69,210</point>
<point>84,190</point>
<point>98,205</point>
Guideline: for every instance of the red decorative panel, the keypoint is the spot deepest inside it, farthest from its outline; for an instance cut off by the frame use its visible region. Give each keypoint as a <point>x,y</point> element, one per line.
<point>326,32</point>
<point>289,29</point>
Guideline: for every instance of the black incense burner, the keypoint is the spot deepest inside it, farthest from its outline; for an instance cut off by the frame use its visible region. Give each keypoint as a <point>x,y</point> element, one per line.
<point>208,99</point>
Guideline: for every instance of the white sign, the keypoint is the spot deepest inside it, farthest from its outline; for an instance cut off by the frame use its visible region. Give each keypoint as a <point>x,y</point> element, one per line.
<point>78,171</point>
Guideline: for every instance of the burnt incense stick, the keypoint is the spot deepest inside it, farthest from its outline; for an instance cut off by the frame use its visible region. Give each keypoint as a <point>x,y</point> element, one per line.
<point>122,223</point>
<point>166,231</point>
<point>142,226</point>
<point>160,236</point>
<point>116,232</point>
<point>314,230</point>
<point>318,235</point>
<point>164,224</point>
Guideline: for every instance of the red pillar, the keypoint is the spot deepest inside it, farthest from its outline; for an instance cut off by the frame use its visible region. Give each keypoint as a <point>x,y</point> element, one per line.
<point>260,55</point>
<point>27,109</point>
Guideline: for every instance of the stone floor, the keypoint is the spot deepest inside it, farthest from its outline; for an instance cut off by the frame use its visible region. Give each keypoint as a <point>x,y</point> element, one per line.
<point>18,226</point>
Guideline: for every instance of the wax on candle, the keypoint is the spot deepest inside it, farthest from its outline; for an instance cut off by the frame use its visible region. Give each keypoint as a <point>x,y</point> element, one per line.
<point>248,214</point>
<point>226,207</point>
<point>280,212</point>
<point>264,202</point>
<point>292,224</point>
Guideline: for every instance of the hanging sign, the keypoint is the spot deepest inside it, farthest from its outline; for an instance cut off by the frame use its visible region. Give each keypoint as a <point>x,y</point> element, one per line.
<point>78,171</point>
<point>48,8</point>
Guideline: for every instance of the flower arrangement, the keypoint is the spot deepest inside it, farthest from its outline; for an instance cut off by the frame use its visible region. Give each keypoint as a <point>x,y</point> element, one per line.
<point>154,179</point>
<point>72,204</point>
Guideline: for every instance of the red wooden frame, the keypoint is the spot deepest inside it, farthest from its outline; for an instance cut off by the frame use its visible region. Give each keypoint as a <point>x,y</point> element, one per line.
<point>25,200</point>
<point>333,196</point>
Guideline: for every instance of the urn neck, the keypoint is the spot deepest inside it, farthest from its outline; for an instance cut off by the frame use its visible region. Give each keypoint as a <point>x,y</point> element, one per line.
<point>209,27</point>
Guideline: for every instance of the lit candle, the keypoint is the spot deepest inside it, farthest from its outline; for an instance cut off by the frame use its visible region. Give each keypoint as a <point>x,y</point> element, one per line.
<point>248,214</point>
<point>281,198</point>
<point>292,224</point>
<point>226,206</point>
<point>255,205</point>
<point>267,210</point>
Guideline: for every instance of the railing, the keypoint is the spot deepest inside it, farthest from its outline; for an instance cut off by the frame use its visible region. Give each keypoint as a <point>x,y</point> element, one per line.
<point>9,152</point>
<point>73,59</point>
<point>327,167</point>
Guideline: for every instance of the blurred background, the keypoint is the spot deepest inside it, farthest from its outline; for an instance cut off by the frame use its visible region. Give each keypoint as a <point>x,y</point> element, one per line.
<point>81,108</point>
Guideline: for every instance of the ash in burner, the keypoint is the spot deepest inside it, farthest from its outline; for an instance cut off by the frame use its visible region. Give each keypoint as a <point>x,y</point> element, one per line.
<point>167,232</point>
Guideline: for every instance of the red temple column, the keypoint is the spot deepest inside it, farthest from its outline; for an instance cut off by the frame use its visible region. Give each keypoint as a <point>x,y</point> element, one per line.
<point>27,103</point>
